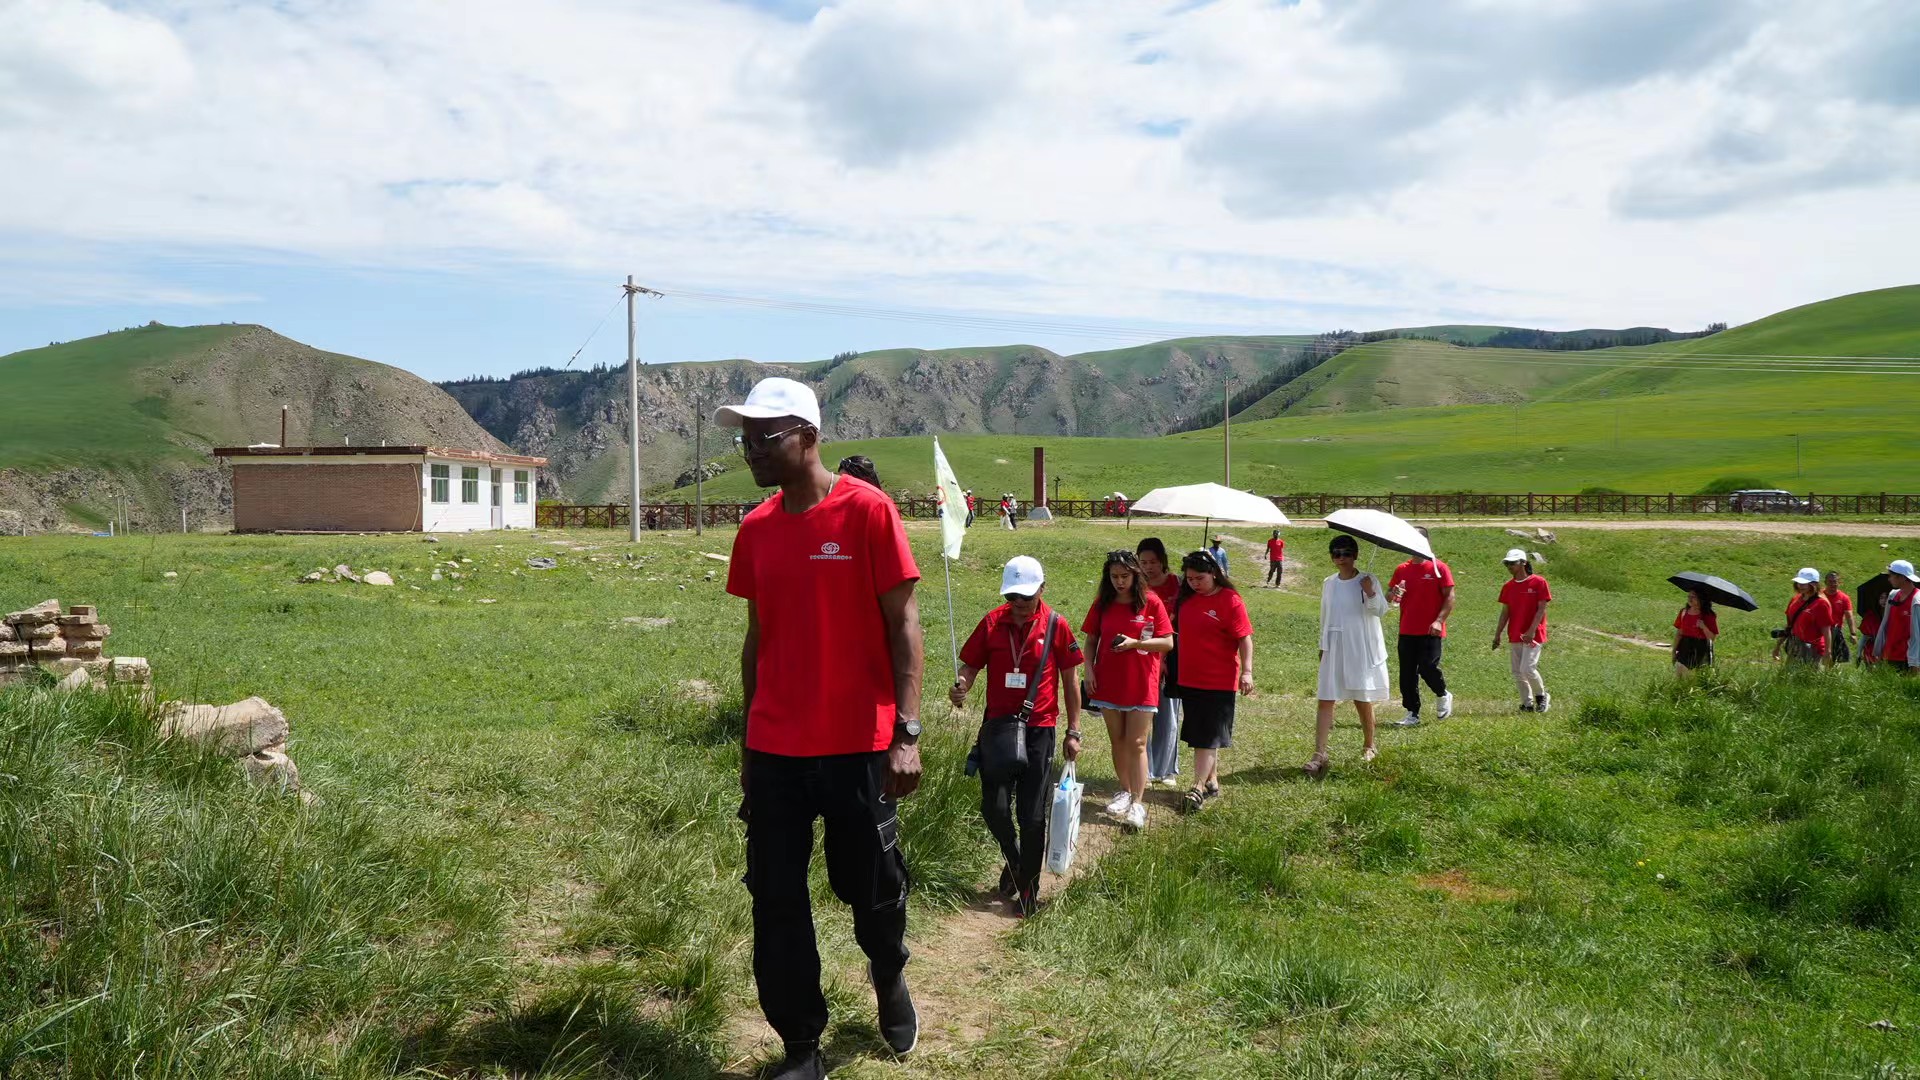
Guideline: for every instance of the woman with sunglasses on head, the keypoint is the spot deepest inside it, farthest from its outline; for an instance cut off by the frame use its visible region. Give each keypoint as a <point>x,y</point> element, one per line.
<point>1216,662</point>
<point>1353,650</point>
<point>1163,745</point>
<point>1127,630</point>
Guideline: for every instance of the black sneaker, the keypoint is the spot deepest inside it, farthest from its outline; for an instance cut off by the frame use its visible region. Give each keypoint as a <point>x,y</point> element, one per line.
<point>1543,703</point>
<point>803,1063</point>
<point>899,1021</point>
<point>1025,903</point>
<point>1008,888</point>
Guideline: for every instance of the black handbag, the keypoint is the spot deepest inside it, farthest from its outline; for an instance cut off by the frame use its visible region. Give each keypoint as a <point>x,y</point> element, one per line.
<point>1002,742</point>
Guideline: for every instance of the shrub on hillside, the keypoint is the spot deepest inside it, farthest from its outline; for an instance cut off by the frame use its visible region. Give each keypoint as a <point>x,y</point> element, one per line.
<point>1726,485</point>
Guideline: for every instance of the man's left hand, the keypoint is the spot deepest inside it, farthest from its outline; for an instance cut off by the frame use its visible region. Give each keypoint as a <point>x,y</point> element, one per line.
<point>1438,628</point>
<point>903,769</point>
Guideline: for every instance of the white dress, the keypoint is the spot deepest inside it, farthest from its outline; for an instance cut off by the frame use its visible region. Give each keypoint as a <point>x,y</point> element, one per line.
<point>1354,667</point>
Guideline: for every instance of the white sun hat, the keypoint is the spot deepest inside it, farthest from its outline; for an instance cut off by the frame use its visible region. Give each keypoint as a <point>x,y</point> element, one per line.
<point>1022,577</point>
<point>1807,576</point>
<point>1904,569</point>
<point>1515,555</point>
<point>771,398</point>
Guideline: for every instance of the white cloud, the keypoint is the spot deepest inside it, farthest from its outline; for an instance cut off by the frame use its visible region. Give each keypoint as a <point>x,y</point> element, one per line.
<point>1561,161</point>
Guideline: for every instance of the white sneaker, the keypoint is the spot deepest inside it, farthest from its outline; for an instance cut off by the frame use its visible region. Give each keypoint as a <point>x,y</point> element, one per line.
<point>1446,705</point>
<point>1137,817</point>
<point>1526,704</point>
<point>1543,703</point>
<point>1119,803</point>
<point>1412,719</point>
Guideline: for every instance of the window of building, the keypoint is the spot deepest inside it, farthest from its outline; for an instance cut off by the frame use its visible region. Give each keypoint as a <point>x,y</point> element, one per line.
<point>470,483</point>
<point>520,486</point>
<point>442,476</point>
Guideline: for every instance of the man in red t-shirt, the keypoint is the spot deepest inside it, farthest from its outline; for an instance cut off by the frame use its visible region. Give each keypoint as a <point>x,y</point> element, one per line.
<point>1423,590</point>
<point>1276,557</point>
<point>1842,633</point>
<point>1006,645</point>
<point>830,672</point>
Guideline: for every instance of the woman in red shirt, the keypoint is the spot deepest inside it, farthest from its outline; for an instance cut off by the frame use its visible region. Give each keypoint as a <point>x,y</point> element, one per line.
<point>1215,640</point>
<point>1163,745</point>
<point>1127,630</point>
<point>1697,626</point>
<point>1809,617</point>
<point>1523,615</point>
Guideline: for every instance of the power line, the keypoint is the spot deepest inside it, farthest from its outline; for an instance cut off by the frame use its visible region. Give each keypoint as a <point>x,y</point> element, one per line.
<point>596,329</point>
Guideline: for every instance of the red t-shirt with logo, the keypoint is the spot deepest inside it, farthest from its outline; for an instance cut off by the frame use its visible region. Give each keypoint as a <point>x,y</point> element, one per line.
<point>1841,603</point>
<point>1210,629</point>
<point>998,645</point>
<point>1276,549</point>
<point>1167,590</point>
<point>1131,677</point>
<point>1423,578</point>
<point>1523,598</point>
<point>824,678</point>
<point>1689,624</point>
<point>1811,624</point>
<point>1899,626</point>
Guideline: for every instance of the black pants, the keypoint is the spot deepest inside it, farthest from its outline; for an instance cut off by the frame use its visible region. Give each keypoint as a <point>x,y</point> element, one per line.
<point>1274,568</point>
<point>1022,800</point>
<point>864,866</point>
<point>1420,659</point>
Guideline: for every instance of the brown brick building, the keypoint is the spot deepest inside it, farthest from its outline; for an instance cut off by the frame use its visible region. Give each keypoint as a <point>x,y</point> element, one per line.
<point>380,489</point>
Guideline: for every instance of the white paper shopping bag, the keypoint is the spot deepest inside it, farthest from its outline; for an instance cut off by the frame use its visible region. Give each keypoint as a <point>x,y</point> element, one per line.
<point>1063,828</point>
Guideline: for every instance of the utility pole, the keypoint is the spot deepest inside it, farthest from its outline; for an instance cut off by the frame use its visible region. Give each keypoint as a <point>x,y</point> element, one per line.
<point>633,413</point>
<point>1226,431</point>
<point>699,466</point>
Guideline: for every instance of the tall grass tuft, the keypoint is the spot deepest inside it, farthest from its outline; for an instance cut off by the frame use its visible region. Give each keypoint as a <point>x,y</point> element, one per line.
<point>158,915</point>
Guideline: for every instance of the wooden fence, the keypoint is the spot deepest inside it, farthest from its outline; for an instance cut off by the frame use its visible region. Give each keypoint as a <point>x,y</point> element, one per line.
<point>1531,504</point>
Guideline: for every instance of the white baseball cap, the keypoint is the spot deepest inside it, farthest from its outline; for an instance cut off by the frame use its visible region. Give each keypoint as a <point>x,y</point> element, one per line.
<point>772,398</point>
<point>1807,576</point>
<point>1515,555</point>
<point>1022,577</point>
<point>1904,569</point>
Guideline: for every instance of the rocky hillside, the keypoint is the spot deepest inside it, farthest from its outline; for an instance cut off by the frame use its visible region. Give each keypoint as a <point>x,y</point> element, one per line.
<point>130,416</point>
<point>579,418</point>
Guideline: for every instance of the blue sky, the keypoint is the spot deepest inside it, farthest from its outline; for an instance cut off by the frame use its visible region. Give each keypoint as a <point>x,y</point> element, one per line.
<point>458,189</point>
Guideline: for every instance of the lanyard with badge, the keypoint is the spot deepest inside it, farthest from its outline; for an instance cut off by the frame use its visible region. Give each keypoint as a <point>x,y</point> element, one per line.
<point>1017,679</point>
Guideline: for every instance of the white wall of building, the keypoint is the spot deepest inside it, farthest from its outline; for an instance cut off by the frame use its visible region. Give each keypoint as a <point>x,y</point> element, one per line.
<point>458,514</point>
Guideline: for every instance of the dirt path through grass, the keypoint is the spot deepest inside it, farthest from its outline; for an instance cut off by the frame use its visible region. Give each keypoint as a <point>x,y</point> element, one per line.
<point>962,956</point>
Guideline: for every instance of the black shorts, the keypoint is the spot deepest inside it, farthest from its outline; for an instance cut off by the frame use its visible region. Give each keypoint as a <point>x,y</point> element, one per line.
<point>1693,652</point>
<point>1206,718</point>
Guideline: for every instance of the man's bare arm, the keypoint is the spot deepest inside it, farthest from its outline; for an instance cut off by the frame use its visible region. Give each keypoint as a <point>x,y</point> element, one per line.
<point>901,613</point>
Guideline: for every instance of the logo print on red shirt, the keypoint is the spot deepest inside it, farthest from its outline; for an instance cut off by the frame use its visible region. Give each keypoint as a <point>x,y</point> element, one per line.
<point>829,548</point>
<point>830,552</point>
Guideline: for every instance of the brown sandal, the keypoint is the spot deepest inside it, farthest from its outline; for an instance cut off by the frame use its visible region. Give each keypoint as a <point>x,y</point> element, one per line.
<point>1316,767</point>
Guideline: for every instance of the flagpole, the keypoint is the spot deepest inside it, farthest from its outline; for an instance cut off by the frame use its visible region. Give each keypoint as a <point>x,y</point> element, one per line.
<point>953,640</point>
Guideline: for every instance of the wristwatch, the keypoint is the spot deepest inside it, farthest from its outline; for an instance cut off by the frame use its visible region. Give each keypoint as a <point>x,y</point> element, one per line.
<point>906,727</point>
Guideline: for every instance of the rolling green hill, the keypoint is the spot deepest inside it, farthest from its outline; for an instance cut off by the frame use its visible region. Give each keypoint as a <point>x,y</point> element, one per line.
<point>1413,416</point>
<point>131,415</point>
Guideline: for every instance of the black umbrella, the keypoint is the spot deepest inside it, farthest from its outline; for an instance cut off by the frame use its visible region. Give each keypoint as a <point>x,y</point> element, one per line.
<point>1871,597</point>
<point>1718,590</point>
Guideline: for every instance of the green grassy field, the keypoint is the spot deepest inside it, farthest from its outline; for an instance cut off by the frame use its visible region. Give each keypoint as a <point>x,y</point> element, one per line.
<point>1389,416</point>
<point>525,861</point>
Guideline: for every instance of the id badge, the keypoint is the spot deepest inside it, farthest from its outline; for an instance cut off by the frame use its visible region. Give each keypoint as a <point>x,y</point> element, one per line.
<point>1016,680</point>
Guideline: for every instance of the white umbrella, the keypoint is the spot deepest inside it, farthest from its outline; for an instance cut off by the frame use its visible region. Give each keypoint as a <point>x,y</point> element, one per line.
<point>1211,502</point>
<point>1382,528</point>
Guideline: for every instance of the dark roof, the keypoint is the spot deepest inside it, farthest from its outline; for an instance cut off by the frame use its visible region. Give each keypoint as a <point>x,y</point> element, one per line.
<point>360,451</point>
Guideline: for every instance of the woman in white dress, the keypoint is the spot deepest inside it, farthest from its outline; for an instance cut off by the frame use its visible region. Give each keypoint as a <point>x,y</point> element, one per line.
<point>1353,650</point>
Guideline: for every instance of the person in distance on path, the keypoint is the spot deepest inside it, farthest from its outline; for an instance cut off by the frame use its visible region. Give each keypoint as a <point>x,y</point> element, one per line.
<point>1006,645</point>
<point>1127,630</point>
<point>1276,558</point>
<point>1523,616</point>
<point>830,671</point>
<point>970,508</point>
<point>1809,619</point>
<point>1423,590</point>
<point>1163,745</point>
<point>1842,634</point>
<point>1219,552</point>
<point>1216,660</point>
<point>1353,650</point>
<point>1697,626</point>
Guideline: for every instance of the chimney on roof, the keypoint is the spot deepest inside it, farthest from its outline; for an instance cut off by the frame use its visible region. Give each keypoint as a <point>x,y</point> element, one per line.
<point>283,425</point>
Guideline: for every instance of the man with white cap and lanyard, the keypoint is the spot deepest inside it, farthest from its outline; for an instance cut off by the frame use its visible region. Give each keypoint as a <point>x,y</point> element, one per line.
<point>1898,640</point>
<point>830,670</point>
<point>1028,653</point>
